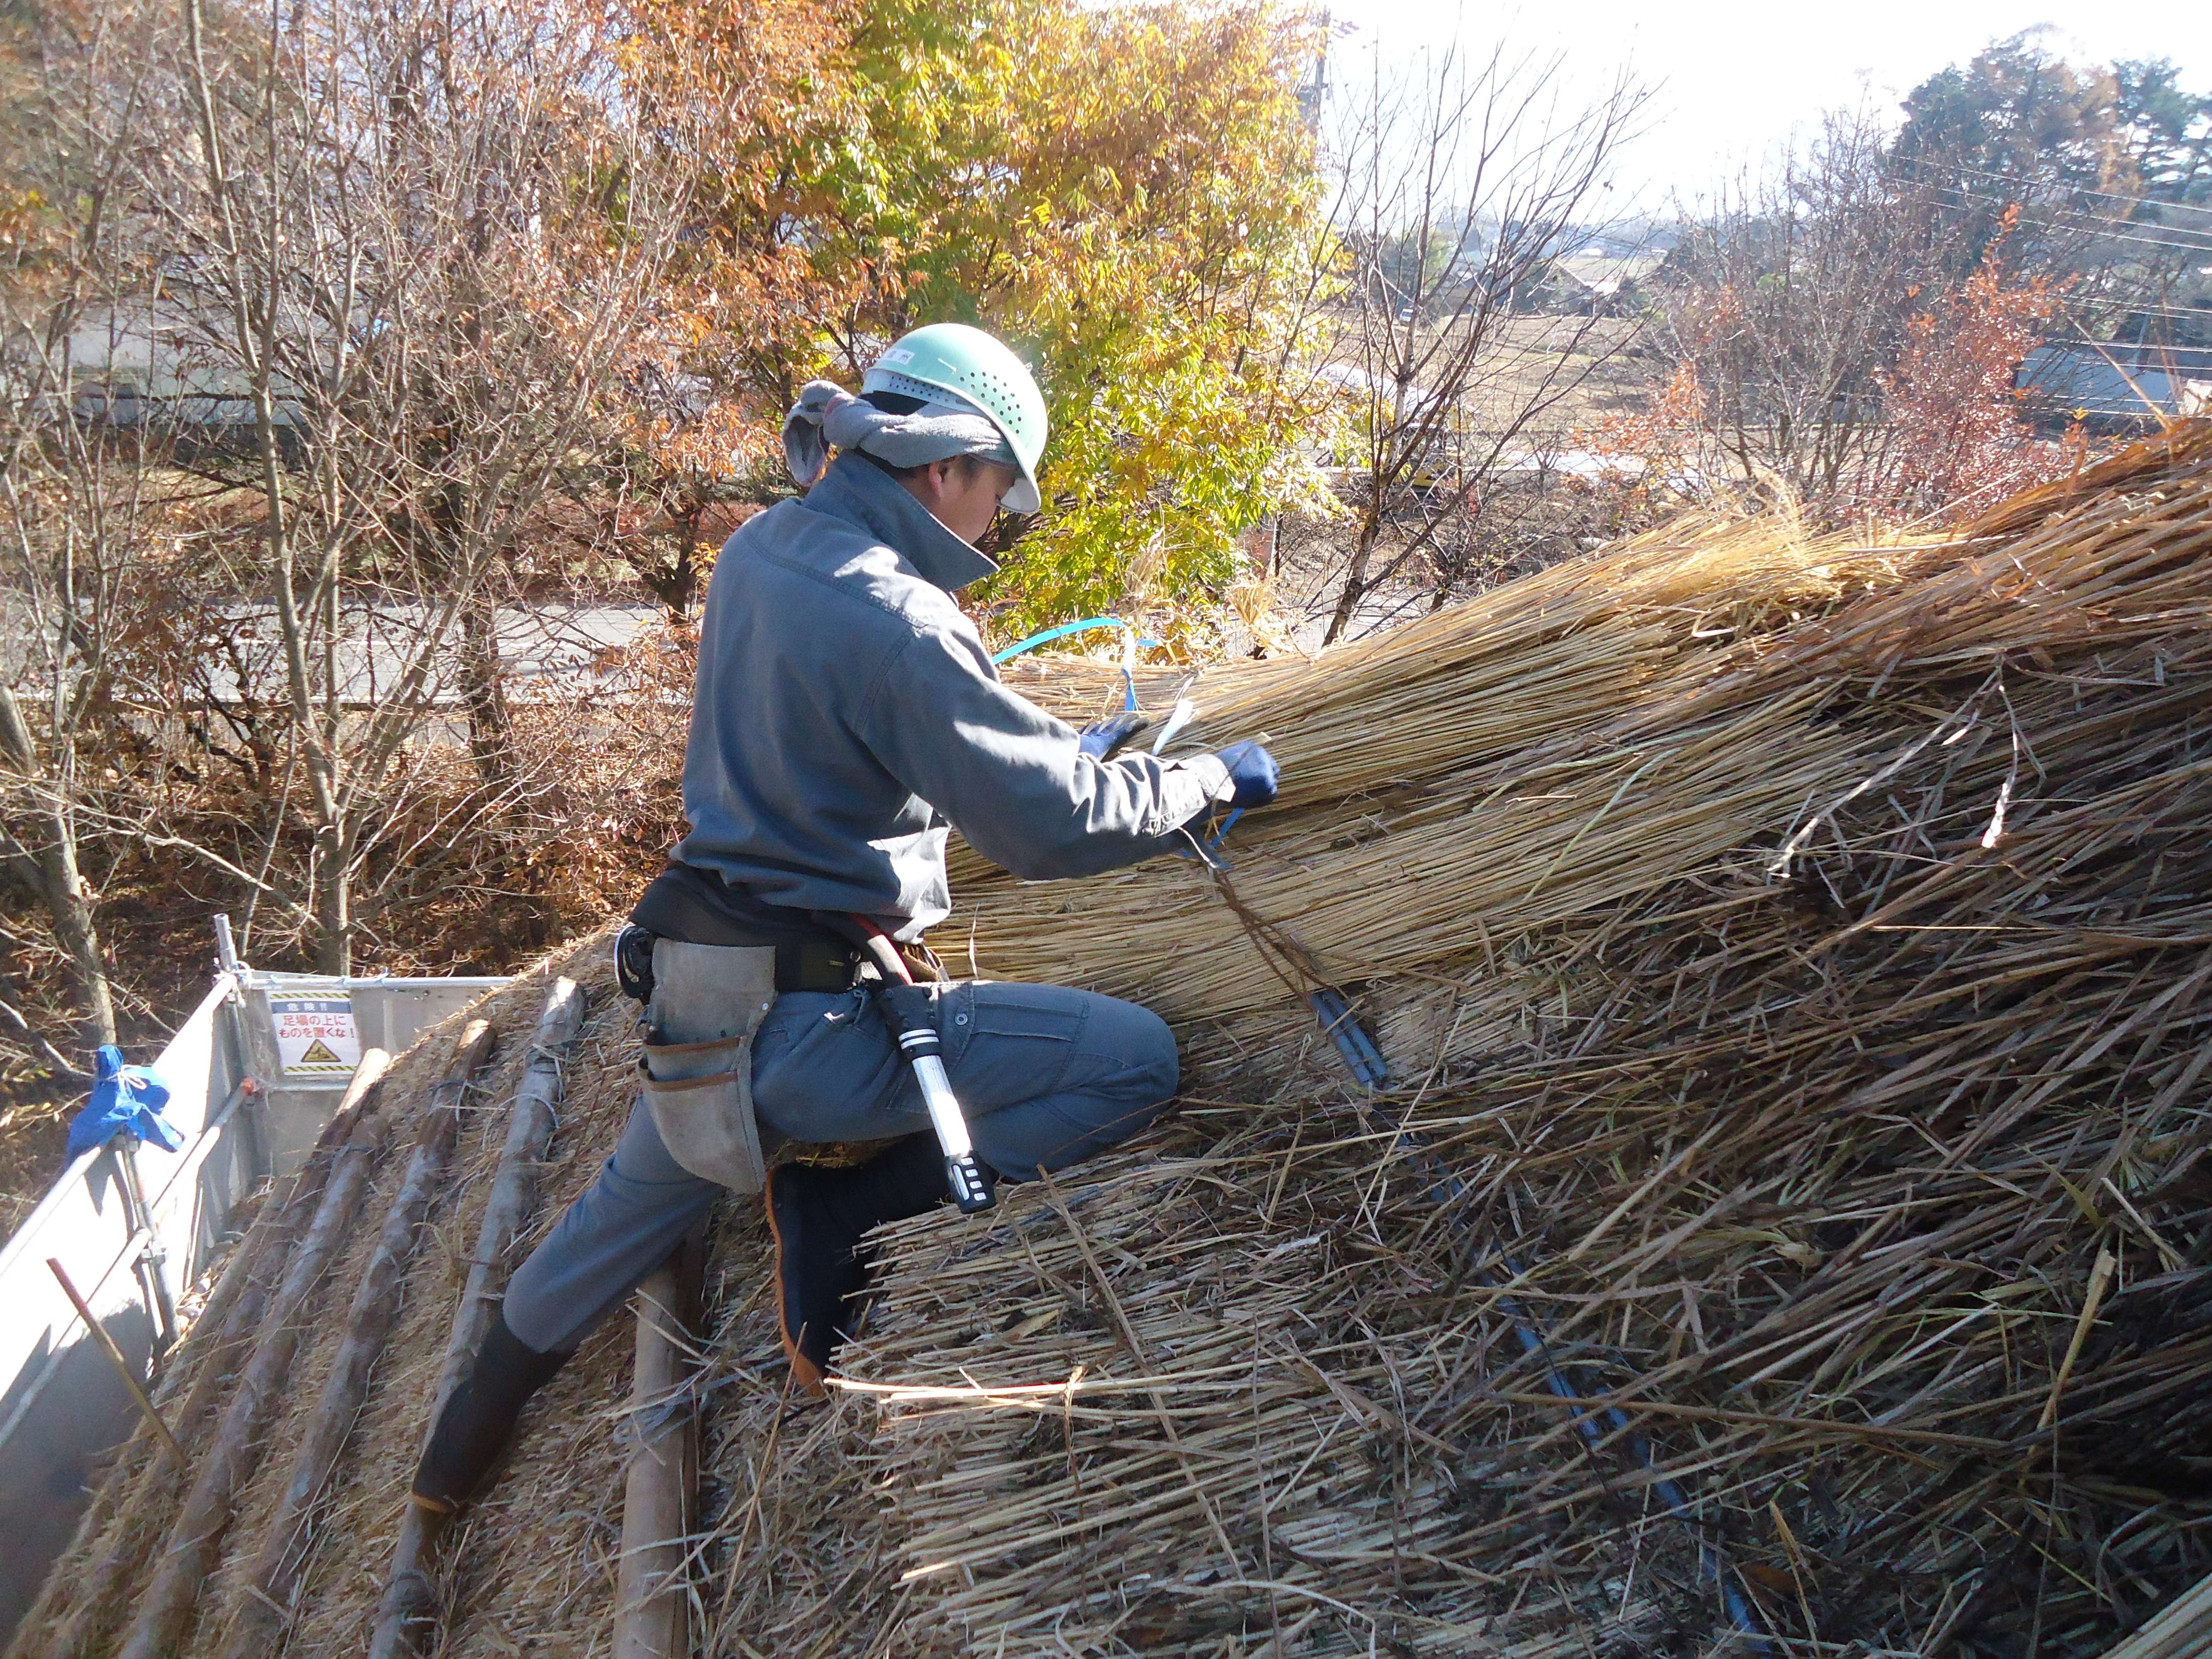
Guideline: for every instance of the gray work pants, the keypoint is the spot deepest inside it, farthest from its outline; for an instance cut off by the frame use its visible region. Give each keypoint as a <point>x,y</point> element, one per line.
<point>1048,1075</point>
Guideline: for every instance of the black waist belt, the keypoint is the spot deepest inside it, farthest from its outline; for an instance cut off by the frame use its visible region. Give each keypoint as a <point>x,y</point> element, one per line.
<point>697,907</point>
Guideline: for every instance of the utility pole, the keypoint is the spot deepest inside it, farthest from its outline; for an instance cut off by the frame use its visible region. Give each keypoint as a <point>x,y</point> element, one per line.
<point>1314,92</point>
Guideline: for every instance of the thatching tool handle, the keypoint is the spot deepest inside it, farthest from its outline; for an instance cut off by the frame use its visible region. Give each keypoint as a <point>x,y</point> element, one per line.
<point>1351,1037</point>
<point>907,1012</point>
<point>1181,715</point>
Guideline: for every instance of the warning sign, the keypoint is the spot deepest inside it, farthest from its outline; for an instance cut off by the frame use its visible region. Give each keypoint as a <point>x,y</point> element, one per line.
<point>315,1038</point>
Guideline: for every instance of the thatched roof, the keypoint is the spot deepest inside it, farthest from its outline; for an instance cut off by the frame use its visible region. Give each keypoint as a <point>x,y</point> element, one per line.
<point>1793,959</point>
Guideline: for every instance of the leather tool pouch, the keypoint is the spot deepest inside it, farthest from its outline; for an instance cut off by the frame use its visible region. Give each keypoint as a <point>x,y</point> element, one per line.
<point>696,1071</point>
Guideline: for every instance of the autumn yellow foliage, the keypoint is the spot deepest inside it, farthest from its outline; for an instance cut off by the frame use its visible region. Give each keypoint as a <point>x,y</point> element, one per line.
<point>1127,194</point>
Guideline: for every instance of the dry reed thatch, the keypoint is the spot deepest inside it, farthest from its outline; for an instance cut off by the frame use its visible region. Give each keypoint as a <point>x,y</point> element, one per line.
<point>1793,957</point>
<point>1790,1026</point>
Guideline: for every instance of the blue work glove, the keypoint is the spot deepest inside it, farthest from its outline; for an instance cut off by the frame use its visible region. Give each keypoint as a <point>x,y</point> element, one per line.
<point>1100,738</point>
<point>1252,772</point>
<point>126,1100</point>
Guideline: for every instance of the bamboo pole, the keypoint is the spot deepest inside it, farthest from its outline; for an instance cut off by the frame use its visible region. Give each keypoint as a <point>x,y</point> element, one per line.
<point>651,1606</point>
<point>408,1607</point>
<point>99,1333</point>
<point>232,1308</point>
<point>259,1614</point>
<point>197,1536</point>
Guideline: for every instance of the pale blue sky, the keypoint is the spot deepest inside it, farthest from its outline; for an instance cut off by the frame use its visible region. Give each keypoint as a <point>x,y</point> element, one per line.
<point>1734,79</point>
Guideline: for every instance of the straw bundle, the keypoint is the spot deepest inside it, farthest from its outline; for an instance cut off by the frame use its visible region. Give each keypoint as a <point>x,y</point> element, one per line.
<point>1790,1223</point>
<point>2182,1630</point>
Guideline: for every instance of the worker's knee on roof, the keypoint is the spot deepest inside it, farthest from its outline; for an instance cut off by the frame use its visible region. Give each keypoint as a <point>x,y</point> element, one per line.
<point>1140,1039</point>
<point>1010,1043</point>
<point>1056,1134</point>
<point>1121,1073</point>
<point>1049,1038</point>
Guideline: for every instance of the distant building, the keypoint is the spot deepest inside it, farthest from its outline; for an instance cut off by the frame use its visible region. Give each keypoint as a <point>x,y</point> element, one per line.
<point>153,360</point>
<point>1592,281</point>
<point>2115,388</point>
<point>1605,273</point>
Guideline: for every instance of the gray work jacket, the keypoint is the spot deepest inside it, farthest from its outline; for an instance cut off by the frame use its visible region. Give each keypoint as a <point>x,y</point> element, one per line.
<point>847,711</point>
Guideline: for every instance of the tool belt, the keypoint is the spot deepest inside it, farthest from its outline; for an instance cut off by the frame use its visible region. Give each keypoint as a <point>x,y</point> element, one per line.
<point>699,908</point>
<point>708,961</point>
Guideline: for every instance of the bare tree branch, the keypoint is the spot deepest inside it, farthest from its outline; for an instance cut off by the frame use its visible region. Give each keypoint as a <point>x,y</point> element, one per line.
<point>1459,187</point>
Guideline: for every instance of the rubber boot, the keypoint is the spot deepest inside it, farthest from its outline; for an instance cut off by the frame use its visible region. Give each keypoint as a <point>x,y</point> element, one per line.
<point>479,1417</point>
<point>818,1216</point>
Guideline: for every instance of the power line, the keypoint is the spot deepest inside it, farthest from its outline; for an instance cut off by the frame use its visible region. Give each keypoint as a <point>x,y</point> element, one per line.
<point>2173,313</point>
<point>2141,307</point>
<point>2102,227</point>
<point>2083,189</point>
<point>2089,222</point>
<point>2128,348</point>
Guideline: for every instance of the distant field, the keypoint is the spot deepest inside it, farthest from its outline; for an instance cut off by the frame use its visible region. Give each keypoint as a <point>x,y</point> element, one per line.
<point>1606,370</point>
<point>1581,370</point>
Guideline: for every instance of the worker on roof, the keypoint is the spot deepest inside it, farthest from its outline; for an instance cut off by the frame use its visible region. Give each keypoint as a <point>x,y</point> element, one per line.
<point>846,715</point>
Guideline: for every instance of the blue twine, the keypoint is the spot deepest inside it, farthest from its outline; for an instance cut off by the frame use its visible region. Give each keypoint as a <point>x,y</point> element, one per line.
<point>1084,626</point>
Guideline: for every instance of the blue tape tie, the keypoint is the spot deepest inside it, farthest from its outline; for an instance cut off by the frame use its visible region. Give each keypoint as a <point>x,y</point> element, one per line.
<point>1085,626</point>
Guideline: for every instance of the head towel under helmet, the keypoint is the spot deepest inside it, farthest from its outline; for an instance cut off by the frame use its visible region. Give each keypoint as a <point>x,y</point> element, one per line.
<point>913,435</point>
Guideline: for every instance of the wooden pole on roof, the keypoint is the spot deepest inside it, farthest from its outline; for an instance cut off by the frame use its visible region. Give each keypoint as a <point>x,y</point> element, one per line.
<point>651,1607</point>
<point>259,1615</point>
<point>406,1614</point>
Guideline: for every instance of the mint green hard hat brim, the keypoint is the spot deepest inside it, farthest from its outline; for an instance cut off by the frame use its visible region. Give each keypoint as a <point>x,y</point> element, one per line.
<point>952,362</point>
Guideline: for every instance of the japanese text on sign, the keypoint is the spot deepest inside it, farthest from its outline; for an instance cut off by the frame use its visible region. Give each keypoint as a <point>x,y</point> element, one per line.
<point>315,1037</point>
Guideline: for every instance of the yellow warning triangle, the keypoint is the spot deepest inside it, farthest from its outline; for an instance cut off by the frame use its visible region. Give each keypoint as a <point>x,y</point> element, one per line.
<point>318,1053</point>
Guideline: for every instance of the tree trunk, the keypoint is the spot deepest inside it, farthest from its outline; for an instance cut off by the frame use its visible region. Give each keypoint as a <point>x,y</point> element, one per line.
<point>683,580</point>
<point>334,902</point>
<point>484,691</point>
<point>1355,575</point>
<point>71,910</point>
<point>51,872</point>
